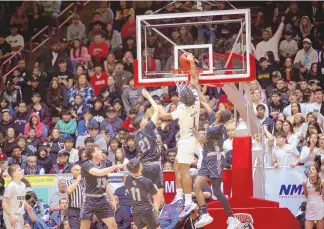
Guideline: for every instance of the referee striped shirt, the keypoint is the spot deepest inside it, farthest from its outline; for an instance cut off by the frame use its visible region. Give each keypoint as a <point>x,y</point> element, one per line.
<point>76,198</point>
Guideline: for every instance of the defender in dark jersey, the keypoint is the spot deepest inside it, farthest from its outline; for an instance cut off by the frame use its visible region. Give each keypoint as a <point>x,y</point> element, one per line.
<point>94,176</point>
<point>212,164</point>
<point>142,191</point>
<point>146,144</point>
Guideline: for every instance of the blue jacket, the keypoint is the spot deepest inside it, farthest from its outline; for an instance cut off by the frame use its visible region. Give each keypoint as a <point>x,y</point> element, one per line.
<point>83,128</point>
<point>169,215</point>
<point>56,218</point>
<point>38,169</point>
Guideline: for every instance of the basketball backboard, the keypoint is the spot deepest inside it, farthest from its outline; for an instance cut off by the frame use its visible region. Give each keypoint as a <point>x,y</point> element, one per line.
<point>220,41</point>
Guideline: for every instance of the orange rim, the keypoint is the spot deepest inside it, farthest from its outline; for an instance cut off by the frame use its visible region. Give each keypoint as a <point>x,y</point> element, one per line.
<point>184,71</point>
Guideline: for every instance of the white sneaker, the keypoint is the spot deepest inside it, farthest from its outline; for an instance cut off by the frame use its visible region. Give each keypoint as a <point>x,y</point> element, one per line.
<point>176,199</point>
<point>233,223</point>
<point>204,220</point>
<point>187,210</point>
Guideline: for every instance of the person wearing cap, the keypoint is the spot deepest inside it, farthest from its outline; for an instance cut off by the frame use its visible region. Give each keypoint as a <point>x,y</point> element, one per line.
<point>76,30</point>
<point>288,47</point>
<point>62,165</point>
<point>15,40</point>
<point>98,49</point>
<point>36,86</point>
<point>306,56</point>
<point>270,43</point>
<point>50,58</point>
<point>66,125</point>
<point>112,123</point>
<point>99,79</point>
<point>12,93</point>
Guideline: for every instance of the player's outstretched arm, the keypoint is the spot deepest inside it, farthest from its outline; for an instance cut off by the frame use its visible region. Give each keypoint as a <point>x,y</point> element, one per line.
<point>103,172</point>
<point>111,197</point>
<point>195,83</point>
<point>164,115</point>
<point>155,116</point>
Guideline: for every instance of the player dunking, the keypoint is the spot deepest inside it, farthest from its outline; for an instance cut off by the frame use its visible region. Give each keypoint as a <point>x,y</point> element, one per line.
<point>14,203</point>
<point>142,191</point>
<point>213,163</point>
<point>188,114</point>
<point>146,144</point>
<point>94,176</point>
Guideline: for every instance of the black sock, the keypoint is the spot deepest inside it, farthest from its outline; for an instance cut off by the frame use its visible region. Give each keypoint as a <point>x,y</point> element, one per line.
<point>203,209</point>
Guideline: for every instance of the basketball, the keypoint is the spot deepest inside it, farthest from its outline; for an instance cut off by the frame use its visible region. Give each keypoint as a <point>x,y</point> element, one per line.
<point>183,62</point>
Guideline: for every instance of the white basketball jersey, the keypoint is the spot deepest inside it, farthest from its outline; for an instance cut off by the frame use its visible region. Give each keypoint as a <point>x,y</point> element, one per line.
<point>16,194</point>
<point>188,117</point>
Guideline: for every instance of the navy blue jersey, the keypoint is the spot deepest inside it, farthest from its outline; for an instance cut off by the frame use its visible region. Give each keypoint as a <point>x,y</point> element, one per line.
<point>93,184</point>
<point>140,190</point>
<point>214,136</point>
<point>146,144</point>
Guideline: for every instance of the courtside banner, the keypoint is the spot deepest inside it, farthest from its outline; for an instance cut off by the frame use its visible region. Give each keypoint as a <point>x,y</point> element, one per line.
<point>284,185</point>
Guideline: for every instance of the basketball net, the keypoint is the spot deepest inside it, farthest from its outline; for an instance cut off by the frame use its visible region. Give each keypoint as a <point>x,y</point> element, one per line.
<point>183,73</point>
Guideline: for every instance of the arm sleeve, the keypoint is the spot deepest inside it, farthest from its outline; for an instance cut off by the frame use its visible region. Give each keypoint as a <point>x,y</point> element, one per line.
<point>9,191</point>
<point>152,188</point>
<point>86,166</point>
<point>278,34</point>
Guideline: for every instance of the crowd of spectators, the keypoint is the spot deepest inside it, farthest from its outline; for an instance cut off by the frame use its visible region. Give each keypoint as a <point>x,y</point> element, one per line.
<point>81,92</point>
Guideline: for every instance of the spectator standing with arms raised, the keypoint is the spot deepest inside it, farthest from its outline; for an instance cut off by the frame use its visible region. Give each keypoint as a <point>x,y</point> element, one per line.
<point>269,43</point>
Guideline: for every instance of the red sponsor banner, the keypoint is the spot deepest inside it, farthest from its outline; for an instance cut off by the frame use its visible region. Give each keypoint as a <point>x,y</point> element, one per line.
<point>170,186</point>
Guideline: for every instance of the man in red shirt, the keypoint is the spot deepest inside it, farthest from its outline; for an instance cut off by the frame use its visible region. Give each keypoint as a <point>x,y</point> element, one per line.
<point>98,49</point>
<point>128,122</point>
<point>99,79</point>
<point>129,28</point>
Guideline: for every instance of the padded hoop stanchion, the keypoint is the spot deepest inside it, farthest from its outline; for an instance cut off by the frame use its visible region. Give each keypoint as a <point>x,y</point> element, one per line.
<point>242,200</point>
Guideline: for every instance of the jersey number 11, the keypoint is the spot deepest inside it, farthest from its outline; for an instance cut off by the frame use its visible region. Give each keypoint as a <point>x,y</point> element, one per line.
<point>136,194</point>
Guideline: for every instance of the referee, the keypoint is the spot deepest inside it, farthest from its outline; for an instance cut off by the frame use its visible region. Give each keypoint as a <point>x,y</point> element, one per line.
<point>74,190</point>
